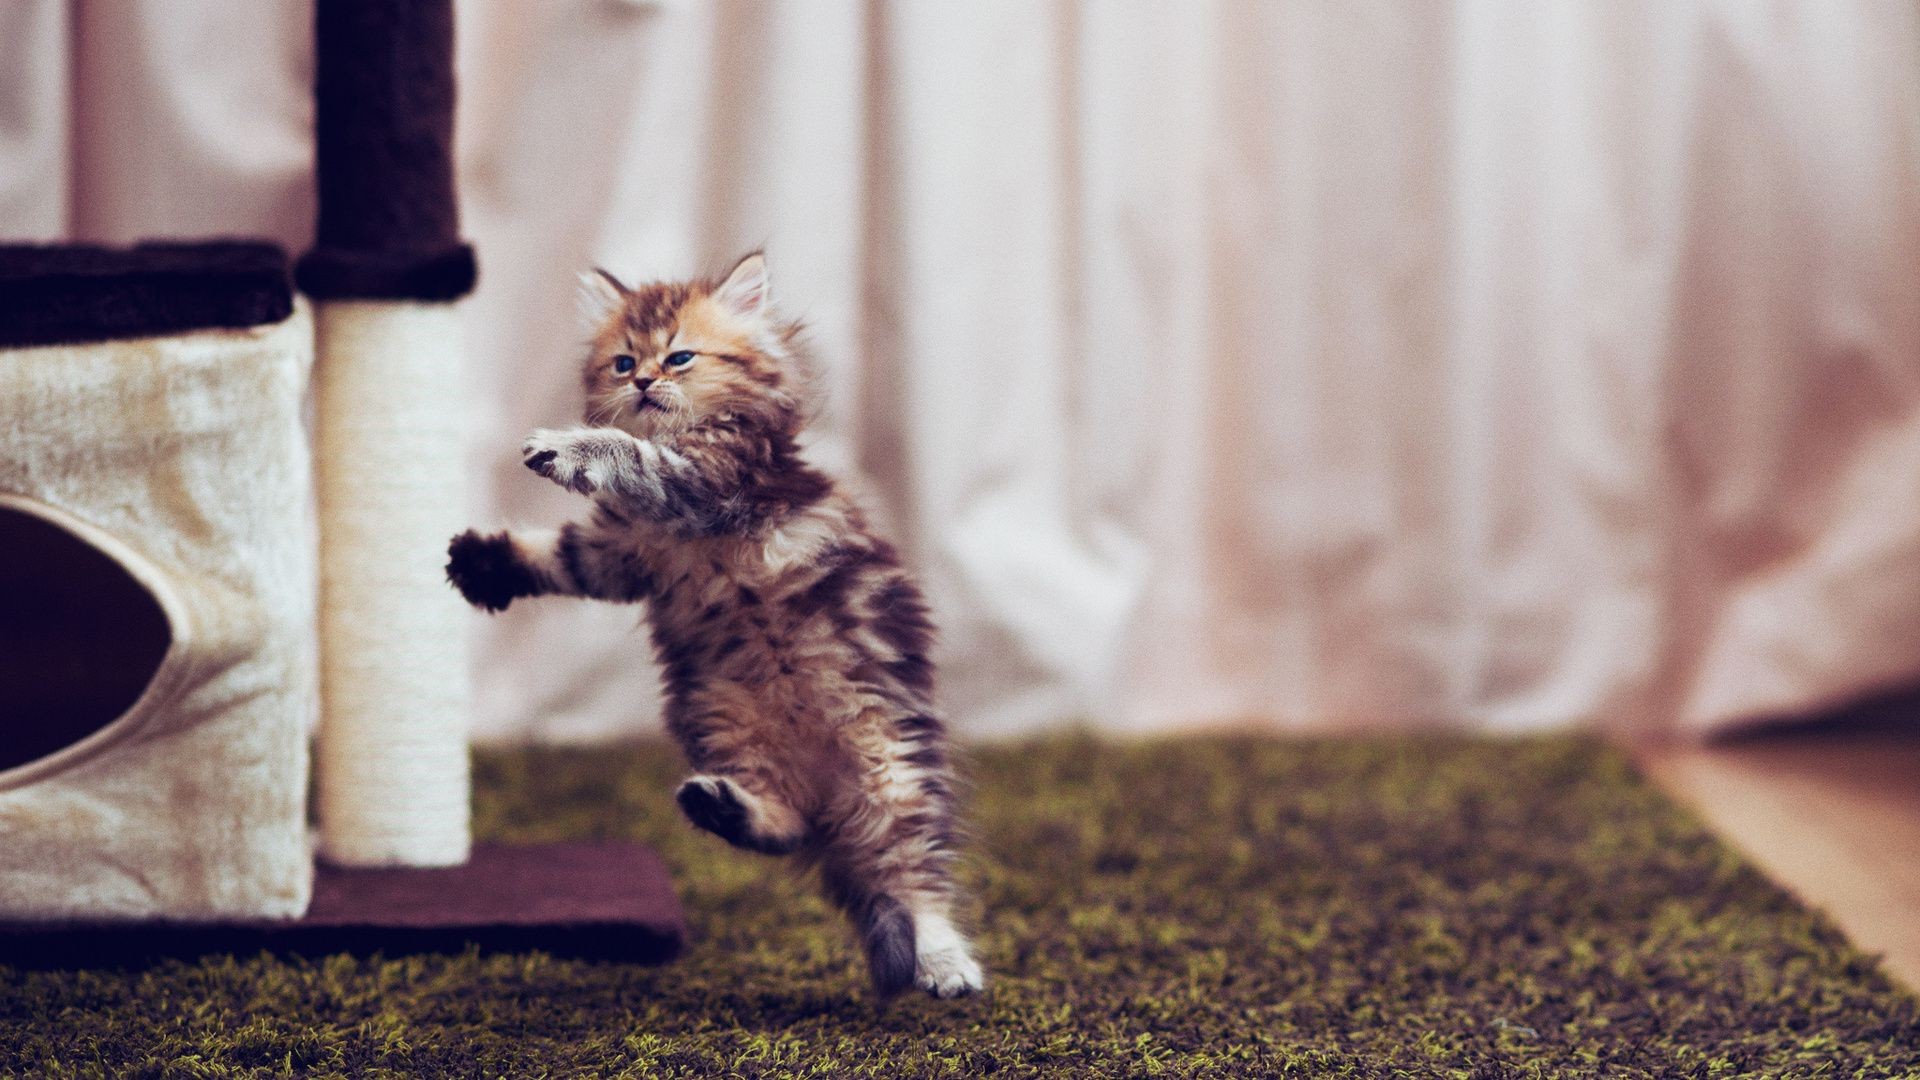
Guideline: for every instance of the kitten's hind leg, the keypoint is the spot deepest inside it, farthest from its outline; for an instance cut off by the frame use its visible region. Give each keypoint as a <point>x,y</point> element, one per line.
<point>732,811</point>
<point>889,864</point>
<point>907,932</point>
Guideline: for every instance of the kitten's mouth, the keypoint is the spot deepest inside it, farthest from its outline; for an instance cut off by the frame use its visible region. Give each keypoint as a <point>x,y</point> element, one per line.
<point>643,403</point>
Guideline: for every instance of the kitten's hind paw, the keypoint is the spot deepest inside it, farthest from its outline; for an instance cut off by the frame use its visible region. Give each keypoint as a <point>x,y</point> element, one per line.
<point>945,965</point>
<point>487,570</point>
<point>949,973</point>
<point>717,805</point>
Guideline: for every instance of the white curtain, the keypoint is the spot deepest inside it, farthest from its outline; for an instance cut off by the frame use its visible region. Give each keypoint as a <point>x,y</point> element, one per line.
<point>1501,364</point>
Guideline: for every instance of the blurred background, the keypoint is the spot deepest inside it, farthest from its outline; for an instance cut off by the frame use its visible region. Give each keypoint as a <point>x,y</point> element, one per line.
<point>1488,364</point>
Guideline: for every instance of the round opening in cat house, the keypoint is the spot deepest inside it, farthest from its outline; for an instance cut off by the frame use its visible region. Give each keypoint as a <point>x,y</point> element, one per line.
<point>82,635</point>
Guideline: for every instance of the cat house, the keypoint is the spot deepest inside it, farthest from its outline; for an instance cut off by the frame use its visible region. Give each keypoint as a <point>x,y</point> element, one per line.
<point>157,657</point>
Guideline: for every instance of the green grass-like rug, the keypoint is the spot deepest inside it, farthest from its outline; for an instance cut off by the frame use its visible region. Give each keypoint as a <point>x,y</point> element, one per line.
<point>1218,906</point>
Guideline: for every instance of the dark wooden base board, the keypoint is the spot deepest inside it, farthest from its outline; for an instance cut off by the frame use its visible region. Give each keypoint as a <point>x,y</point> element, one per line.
<point>600,900</point>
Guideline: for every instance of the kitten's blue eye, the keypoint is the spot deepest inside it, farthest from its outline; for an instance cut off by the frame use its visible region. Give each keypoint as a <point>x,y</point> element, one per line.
<point>679,359</point>
<point>623,363</point>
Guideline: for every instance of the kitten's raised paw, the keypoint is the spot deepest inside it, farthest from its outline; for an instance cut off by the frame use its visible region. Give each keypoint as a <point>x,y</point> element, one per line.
<point>949,973</point>
<point>556,455</point>
<point>712,804</point>
<point>717,805</point>
<point>486,570</point>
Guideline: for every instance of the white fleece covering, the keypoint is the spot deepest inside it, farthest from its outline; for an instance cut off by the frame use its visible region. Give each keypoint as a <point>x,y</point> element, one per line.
<point>183,457</point>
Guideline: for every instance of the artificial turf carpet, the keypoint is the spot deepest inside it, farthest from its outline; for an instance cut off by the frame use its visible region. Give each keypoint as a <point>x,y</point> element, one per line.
<point>1219,906</point>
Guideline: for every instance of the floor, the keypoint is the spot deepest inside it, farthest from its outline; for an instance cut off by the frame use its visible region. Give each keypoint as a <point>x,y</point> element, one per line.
<point>1830,810</point>
<point>1218,906</point>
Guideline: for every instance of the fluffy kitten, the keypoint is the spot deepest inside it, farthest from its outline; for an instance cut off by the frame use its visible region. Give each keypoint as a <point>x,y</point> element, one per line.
<point>794,645</point>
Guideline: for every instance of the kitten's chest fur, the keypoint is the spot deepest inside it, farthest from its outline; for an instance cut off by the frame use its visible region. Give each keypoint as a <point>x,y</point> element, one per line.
<point>799,629</point>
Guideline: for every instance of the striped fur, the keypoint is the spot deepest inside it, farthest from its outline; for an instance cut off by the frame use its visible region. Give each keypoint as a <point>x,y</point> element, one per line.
<point>793,644</point>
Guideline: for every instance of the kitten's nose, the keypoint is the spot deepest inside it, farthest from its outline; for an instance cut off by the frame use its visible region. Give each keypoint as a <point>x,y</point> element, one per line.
<point>642,384</point>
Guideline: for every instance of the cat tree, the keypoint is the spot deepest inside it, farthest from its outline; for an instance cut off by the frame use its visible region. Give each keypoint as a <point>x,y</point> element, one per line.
<point>171,619</point>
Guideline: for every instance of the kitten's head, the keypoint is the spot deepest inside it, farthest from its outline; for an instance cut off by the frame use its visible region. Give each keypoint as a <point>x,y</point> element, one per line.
<point>667,356</point>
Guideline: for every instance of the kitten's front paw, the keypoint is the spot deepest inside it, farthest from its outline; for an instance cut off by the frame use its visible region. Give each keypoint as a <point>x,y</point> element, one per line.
<point>949,973</point>
<point>486,570</point>
<point>562,457</point>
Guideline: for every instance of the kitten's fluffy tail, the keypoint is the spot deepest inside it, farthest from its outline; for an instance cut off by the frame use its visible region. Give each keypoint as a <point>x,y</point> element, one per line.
<point>886,930</point>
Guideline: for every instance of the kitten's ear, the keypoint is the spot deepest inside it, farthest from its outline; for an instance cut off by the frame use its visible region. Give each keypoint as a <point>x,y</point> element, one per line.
<point>745,292</point>
<point>600,295</point>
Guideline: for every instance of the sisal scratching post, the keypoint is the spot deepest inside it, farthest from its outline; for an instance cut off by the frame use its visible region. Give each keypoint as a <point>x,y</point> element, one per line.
<point>385,274</point>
